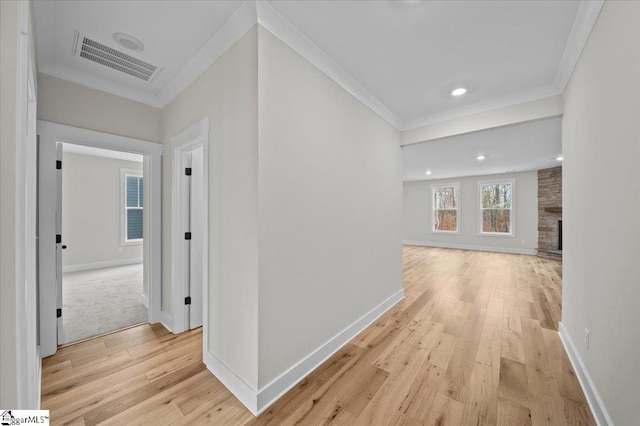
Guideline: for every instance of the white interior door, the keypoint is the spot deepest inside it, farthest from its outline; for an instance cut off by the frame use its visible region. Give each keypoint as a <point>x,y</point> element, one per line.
<point>59,242</point>
<point>197,238</point>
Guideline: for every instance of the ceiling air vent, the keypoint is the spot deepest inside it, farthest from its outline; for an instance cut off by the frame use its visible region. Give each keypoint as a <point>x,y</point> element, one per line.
<point>92,50</point>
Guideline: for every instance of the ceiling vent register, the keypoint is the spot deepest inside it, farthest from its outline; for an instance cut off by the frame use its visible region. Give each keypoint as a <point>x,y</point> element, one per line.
<point>92,50</point>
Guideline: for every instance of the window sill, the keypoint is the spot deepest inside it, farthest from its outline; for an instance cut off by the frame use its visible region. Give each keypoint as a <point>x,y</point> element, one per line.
<point>446,232</point>
<point>496,234</point>
<point>132,243</point>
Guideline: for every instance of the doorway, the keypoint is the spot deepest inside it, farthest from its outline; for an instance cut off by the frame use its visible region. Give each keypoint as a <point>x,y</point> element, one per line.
<point>190,227</point>
<point>86,256</point>
<point>102,217</point>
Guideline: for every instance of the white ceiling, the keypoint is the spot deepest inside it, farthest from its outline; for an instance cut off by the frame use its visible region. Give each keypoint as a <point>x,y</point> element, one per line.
<point>400,57</point>
<point>71,148</point>
<point>520,147</point>
<point>412,54</point>
<point>172,32</point>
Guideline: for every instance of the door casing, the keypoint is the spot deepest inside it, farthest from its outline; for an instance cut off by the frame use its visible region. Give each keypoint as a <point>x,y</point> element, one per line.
<point>50,134</point>
<point>183,143</point>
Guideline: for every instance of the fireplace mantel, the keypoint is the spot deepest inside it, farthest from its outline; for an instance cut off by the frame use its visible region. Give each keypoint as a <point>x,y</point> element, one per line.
<point>553,210</point>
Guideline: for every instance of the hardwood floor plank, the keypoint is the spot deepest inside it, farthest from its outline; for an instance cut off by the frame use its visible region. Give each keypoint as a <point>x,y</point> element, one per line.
<point>473,342</point>
<point>446,411</point>
<point>513,382</point>
<point>510,414</point>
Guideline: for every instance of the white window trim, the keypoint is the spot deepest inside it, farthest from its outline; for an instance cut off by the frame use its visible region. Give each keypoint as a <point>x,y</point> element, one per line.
<point>123,207</point>
<point>456,186</point>
<point>512,216</point>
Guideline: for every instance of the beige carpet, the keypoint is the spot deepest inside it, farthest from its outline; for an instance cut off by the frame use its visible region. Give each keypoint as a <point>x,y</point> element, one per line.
<point>100,301</point>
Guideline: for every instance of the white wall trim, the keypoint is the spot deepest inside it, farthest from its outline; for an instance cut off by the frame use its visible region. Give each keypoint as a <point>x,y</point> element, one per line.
<point>258,401</point>
<point>50,135</point>
<point>101,265</point>
<point>166,320</point>
<point>480,107</point>
<point>471,247</point>
<point>144,300</point>
<point>252,12</point>
<point>586,18</point>
<point>596,404</point>
<point>272,391</point>
<point>102,153</point>
<point>540,109</point>
<point>236,26</point>
<point>232,381</point>
<point>189,139</point>
<point>284,30</point>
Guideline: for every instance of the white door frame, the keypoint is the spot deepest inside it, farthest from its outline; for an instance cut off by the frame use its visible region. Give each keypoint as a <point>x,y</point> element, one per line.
<point>195,136</point>
<point>50,134</point>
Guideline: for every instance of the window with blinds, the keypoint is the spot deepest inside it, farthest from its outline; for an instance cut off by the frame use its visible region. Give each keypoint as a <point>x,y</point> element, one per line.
<point>133,208</point>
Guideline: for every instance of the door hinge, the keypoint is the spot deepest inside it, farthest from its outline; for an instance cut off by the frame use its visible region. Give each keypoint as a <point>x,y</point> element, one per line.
<point>58,238</point>
<point>58,312</point>
<point>187,171</point>
<point>187,300</point>
<point>187,235</point>
<point>58,165</point>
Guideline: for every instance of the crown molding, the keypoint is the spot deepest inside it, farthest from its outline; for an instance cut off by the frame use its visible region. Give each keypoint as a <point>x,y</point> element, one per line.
<point>586,17</point>
<point>236,26</point>
<point>253,12</point>
<point>492,104</point>
<point>284,30</point>
<point>242,20</point>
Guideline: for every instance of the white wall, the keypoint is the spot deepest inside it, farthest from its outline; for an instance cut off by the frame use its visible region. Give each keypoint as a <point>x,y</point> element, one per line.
<point>417,222</point>
<point>8,174</point>
<point>63,102</point>
<point>330,178</point>
<point>227,93</point>
<point>19,358</point>
<point>91,210</point>
<point>601,209</point>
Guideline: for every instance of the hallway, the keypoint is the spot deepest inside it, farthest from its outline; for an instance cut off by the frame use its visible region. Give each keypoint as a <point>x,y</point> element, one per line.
<point>474,342</point>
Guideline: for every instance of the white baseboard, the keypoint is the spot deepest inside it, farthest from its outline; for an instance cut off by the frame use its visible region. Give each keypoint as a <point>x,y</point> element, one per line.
<point>232,381</point>
<point>472,247</point>
<point>101,265</point>
<point>144,299</point>
<point>258,401</point>
<point>38,390</point>
<point>166,320</point>
<point>598,409</point>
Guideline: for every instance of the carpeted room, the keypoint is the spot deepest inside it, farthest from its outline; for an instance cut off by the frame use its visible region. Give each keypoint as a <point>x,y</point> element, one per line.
<point>103,273</point>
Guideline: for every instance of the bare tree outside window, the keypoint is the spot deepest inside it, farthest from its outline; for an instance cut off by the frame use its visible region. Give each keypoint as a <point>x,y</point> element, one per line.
<point>496,206</point>
<point>445,208</point>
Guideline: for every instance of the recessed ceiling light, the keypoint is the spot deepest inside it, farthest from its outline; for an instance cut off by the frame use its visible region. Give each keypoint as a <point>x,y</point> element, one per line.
<point>480,157</point>
<point>459,91</point>
<point>560,158</point>
<point>128,41</point>
<point>428,172</point>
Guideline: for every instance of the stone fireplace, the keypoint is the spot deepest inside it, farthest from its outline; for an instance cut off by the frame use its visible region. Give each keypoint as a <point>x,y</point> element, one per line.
<point>550,213</point>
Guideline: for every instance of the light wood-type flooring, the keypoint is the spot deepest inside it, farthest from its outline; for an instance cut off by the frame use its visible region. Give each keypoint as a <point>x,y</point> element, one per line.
<point>474,342</point>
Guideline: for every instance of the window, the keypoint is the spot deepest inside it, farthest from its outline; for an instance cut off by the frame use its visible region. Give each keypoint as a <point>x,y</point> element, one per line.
<point>444,205</point>
<point>497,207</point>
<point>132,206</point>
